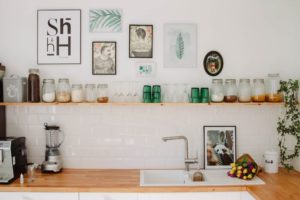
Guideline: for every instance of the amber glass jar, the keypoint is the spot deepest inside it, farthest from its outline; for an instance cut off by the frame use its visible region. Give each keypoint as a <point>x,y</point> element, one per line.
<point>34,86</point>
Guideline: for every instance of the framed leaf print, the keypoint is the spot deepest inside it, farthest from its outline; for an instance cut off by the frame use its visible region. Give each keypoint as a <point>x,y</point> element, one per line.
<point>180,45</point>
<point>140,41</point>
<point>59,36</point>
<point>105,20</point>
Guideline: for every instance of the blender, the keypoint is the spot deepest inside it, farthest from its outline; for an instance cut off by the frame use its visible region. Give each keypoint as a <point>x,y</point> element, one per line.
<point>54,138</point>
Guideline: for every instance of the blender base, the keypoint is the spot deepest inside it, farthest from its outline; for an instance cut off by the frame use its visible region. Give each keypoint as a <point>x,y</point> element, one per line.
<point>48,167</point>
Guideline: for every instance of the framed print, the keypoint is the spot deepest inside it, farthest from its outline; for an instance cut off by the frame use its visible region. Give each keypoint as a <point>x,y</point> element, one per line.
<point>219,146</point>
<point>180,45</point>
<point>59,36</point>
<point>140,41</point>
<point>213,63</point>
<point>105,20</point>
<point>104,58</point>
<point>145,69</point>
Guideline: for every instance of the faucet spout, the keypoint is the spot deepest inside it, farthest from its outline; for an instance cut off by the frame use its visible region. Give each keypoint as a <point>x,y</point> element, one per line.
<point>187,160</point>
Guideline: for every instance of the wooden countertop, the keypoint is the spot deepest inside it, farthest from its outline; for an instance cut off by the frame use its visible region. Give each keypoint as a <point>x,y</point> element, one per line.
<point>281,186</point>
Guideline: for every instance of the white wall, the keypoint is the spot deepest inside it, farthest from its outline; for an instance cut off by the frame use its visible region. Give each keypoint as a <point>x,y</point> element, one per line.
<point>255,38</point>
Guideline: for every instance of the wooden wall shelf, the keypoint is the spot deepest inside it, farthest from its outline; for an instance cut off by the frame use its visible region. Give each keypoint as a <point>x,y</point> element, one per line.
<point>137,104</point>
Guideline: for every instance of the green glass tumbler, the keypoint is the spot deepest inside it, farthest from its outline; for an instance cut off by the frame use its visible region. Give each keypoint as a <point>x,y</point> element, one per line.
<point>195,93</point>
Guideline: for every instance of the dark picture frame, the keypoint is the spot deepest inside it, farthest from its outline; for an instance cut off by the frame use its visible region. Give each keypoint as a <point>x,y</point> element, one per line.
<point>50,33</point>
<point>140,41</point>
<point>219,146</point>
<point>213,63</point>
<point>104,58</point>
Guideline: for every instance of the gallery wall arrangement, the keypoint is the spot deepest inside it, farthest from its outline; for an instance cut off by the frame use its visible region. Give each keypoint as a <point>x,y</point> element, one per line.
<point>59,42</point>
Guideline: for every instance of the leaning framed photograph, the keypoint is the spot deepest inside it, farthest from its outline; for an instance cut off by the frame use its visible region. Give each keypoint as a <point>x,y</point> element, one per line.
<point>219,146</point>
<point>104,58</point>
<point>140,41</point>
<point>180,45</point>
<point>213,63</point>
<point>59,36</point>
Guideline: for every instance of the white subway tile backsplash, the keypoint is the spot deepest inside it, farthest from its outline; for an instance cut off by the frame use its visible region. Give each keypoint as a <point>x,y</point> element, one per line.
<point>130,136</point>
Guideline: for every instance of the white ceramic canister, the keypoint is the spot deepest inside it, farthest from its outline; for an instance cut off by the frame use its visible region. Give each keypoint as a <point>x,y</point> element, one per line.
<point>271,160</point>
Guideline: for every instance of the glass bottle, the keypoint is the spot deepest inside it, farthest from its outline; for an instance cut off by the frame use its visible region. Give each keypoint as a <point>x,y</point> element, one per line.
<point>258,91</point>
<point>77,93</point>
<point>244,91</point>
<point>63,92</point>
<point>90,93</point>
<point>34,86</point>
<point>230,91</point>
<point>272,88</point>
<point>48,90</point>
<point>217,91</point>
<point>102,93</point>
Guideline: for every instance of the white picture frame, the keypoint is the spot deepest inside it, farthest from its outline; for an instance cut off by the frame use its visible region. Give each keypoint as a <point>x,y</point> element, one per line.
<point>180,45</point>
<point>59,36</point>
<point>219,146</point>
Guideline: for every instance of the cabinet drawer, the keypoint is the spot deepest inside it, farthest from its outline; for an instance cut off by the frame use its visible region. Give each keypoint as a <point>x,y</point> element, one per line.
<point>108,196</point>
<point>38,196</point>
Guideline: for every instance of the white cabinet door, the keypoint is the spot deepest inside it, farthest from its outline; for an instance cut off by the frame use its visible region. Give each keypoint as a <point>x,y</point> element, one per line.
<point>108,196</point>
<point>191,196</point>
<point>37,196</point>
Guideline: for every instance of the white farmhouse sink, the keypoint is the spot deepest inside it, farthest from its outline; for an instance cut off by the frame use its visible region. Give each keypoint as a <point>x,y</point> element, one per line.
<point>183,178</point>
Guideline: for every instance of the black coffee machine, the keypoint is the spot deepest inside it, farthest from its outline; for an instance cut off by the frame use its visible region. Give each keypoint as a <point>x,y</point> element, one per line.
<point>13,158</point>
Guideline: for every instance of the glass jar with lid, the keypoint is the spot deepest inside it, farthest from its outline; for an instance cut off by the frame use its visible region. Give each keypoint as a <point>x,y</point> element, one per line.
<point>230,91</point>
<point>63,91</point>
<point>48,90</point>
<point>77,93</point>
<point>34,86</point>
<point>102,93</point>
<point>244,91</point>
<point>90,93</point>
<point>258,90</point>
<point>272,87</point>
<point>217,91</point>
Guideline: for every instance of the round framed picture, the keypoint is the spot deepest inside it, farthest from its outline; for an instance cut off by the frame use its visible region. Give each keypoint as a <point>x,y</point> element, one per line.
<point>213,63</point>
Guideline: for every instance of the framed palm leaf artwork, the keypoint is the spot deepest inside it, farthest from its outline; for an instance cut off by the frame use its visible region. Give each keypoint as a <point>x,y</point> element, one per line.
<point>180,45</point>
<point>105,20</point>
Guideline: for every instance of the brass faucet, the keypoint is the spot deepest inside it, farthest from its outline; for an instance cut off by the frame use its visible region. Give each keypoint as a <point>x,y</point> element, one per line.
<point>187,160</point>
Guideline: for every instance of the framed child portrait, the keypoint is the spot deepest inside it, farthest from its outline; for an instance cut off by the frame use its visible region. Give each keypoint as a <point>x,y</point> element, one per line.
<point>219,146</point>
<point>140,41</point>
<point>104,60</point>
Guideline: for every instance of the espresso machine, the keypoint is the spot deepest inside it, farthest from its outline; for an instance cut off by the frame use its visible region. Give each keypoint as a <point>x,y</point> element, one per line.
<point>13,158</point>
<point>54,138</point>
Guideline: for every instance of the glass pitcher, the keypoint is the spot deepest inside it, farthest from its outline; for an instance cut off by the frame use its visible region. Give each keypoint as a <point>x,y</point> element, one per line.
<point>54,136</point>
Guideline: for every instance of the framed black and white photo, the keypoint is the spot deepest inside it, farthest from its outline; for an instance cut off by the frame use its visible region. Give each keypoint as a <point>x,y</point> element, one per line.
<point>140,41</point>
<point>219,146</point>
<point>59,36</point>
<point>104,58</point>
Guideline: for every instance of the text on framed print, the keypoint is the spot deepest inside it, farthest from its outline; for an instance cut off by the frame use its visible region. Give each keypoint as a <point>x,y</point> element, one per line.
<point>59,36</point>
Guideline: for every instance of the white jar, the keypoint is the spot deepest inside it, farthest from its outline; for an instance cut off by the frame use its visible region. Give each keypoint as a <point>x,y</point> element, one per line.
<point>244,91</point>
<point>271,160</point>
<point>48,90</point>
<point>77,93</point>
<point>217,91</point>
